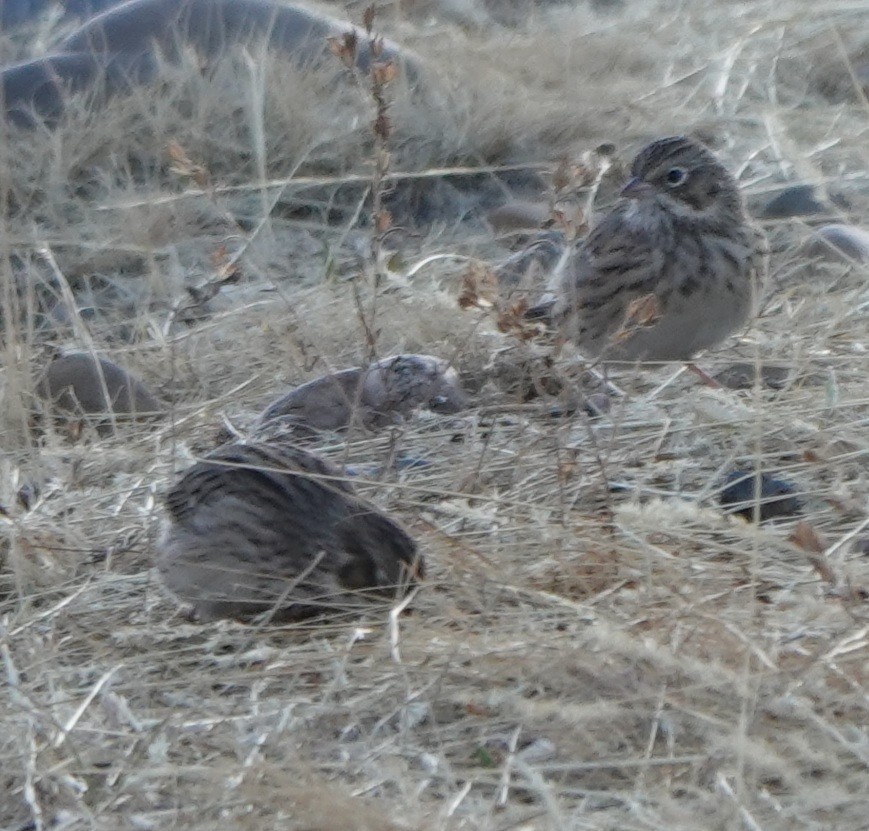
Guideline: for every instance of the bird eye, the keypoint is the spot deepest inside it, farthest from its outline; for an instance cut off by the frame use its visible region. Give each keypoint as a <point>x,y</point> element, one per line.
<point>675,176</point>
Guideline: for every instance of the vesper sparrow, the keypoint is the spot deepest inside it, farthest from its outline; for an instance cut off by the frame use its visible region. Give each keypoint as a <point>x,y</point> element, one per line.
<point>269,527</point>
<point>673,269</point>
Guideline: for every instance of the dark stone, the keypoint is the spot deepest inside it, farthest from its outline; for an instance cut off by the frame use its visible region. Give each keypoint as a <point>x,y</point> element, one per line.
<point>37,90</point>
<point>798,200</point>
<point>740,494</point>
<point>212,26</point>
<point>121,44</point>
<point>14,13</point>
<point>373,397</point>
<point>77,384</point>
<point>740,376</point>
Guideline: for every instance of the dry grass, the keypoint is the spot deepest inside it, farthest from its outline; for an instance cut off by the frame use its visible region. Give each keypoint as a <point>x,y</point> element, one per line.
<point>597,645</point>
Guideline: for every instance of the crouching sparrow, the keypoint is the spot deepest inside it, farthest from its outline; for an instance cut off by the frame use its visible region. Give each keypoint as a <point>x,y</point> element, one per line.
<point>270,527</point>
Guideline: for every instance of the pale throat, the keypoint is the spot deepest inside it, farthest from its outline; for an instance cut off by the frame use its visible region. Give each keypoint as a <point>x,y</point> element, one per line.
<point>661,210</point>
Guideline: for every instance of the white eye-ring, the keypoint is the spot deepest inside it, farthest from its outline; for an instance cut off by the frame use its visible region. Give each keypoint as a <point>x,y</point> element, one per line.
<point>676,176</point>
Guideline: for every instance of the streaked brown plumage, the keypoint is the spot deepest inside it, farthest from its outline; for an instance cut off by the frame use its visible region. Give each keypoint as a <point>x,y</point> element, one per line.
<point>270,527</point>
<point>681,238</point>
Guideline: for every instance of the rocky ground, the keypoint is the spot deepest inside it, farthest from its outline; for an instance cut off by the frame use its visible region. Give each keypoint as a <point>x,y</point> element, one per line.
<point>598,643</point>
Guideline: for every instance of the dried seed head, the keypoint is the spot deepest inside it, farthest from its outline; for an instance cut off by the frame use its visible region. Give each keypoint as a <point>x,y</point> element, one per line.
<point>561,176</point>
<point>643,312</point>
<point>479,287</point>
<point>382,126</point>
<point>181,164</point>
<point>383,72</point>
<point>344,47</point>
<point>511,319</point>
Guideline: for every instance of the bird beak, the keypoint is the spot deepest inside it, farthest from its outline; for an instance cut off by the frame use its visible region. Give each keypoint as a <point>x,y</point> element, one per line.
<point>636,188</point>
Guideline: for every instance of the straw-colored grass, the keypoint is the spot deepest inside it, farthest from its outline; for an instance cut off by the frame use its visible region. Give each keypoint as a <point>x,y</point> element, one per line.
<point>596,645</point>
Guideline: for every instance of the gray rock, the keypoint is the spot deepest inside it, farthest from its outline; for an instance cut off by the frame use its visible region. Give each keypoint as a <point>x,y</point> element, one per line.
<point>741,375</point>
<point>78,384</point>
<point>840,242</point>
<point>776,497</point>
<point>372,397</point>
<point>518,216</point>
<point>118,48</point>
<point>798,200</point>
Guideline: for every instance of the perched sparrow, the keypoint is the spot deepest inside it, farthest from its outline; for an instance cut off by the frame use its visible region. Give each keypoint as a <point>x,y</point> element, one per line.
<point>673,269</point>
<point>272,528</point>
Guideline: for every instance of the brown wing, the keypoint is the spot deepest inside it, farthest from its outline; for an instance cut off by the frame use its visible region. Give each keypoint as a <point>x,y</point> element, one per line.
<point>266,475</point>
<point>616,264</point>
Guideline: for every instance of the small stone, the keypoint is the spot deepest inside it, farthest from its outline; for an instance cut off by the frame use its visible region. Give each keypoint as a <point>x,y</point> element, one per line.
<point>740,495</point>
<point>429,763</point>
<point>27,495</point>
<point>518,216</point>
<point>740,376</point>
<point>597,404</point>
<point>798,200</point>
<point>79,383</point>
<point>374,397</point>
<point>840,242</point>
<point>414,714</point>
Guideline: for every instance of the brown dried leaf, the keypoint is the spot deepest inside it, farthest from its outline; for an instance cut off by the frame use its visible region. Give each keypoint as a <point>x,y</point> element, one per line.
<point>219,256</point>
<point>512,317</point>
<point>643,311</point>
<point>384,72</point>
<point>565,471</point>
<point>176,153</point>
<point>806,538</point>
<point>183,165</point>
<point>382,126</point>
<point>229,272</point>
<point>344,47</point>
<point>561,177</point>
<point>474,709</point>
<point>383,221</point>
<point>468,298</point>
<point>479,287</point>
<point>368,17</point>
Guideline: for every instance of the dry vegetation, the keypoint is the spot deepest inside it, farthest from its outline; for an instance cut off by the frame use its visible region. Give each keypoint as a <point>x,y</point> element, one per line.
<point>597,646</point>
